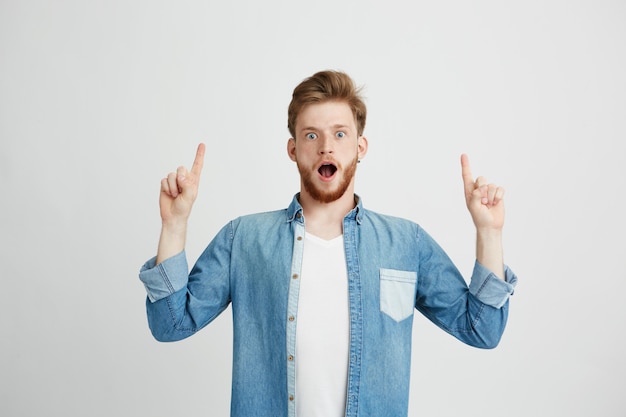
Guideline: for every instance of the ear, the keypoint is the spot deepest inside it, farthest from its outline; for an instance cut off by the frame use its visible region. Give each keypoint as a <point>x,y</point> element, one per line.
<point>362,147</point>
<point>291,149</point>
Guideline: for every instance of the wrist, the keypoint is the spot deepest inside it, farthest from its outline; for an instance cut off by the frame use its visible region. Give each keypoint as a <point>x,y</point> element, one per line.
<point>489,250</point>
<point>174,226</point>
<point>489,232</point>
<point>172,240</point>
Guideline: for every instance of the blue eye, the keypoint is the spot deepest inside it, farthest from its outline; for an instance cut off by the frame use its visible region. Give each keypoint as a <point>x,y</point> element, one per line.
<point>340,135</point>
<point>311,136</point>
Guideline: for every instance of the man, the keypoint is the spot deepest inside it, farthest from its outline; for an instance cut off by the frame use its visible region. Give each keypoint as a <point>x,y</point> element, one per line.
<point>323,292</point>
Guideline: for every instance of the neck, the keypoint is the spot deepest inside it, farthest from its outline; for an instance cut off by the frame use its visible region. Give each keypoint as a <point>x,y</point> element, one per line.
<point>325,220</point>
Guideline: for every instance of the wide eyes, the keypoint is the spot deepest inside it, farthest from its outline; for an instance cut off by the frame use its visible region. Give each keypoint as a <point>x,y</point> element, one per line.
<point>313,136</point>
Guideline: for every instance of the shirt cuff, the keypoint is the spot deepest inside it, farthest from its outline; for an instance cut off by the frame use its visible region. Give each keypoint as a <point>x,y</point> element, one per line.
<point>489,289</point>
<point>166,278</point>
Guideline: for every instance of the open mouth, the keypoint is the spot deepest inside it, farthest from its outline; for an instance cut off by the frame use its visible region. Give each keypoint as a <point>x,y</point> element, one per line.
<point>327,170</point>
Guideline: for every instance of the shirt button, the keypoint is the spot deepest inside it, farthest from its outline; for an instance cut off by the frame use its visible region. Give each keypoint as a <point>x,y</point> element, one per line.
<point>291,318</point>
<point>290,358</point>
<point>291,398</point>
<point>299,237</point>
<point>294,276</point>
<point>298,215</point>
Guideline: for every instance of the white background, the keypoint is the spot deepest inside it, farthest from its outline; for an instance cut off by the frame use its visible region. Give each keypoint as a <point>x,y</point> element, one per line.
<point>100,99</point>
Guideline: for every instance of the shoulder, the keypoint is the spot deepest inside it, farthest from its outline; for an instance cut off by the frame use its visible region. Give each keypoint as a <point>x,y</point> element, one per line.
<point>260,221</point>
<point>376,219</point>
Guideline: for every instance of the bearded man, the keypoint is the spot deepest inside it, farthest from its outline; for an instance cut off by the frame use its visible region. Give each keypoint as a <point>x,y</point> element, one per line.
<point>323,292</point>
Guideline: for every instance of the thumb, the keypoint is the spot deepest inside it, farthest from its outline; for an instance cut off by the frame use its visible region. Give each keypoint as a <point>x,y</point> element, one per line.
<point>187,186</point>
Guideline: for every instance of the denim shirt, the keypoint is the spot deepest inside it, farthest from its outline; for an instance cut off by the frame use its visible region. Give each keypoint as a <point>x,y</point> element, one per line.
<point>393,265</point>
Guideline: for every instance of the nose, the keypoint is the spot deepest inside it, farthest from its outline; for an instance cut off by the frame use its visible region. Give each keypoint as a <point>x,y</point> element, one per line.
<point>325,144</point>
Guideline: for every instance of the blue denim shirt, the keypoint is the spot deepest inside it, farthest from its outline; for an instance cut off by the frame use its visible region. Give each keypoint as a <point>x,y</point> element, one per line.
<point>393,265</point>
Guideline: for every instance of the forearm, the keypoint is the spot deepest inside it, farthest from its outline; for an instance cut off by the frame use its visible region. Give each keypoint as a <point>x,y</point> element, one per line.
<point>172,240</point>
<point>181,302</point>
<point>489,251</point>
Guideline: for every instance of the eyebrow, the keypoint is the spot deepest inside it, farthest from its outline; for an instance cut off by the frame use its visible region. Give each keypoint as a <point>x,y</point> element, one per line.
<point>337,126</point>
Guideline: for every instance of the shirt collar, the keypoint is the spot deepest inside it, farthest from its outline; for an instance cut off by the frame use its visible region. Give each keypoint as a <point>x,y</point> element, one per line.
<point>294,211</point>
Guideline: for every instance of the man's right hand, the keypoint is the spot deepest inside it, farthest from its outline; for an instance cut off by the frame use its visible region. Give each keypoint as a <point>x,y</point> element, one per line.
<point>178,193</point>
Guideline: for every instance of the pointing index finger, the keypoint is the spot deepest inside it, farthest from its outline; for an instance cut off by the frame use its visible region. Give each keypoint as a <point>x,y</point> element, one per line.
<point>466,173</point>
<point>198,162</point>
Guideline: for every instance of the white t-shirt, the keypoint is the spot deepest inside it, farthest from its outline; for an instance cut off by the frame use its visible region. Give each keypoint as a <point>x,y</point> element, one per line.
<point>322,332</point>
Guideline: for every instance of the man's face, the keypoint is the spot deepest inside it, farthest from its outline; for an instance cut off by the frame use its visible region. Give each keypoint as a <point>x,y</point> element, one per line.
<point>326,150</point>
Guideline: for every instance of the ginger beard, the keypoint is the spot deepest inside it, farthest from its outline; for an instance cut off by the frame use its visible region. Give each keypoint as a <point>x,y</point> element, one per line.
<point>323,196</point>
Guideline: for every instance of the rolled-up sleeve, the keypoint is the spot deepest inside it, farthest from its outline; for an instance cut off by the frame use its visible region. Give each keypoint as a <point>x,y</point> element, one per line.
<point>489,289</point>
<point>166,278</point>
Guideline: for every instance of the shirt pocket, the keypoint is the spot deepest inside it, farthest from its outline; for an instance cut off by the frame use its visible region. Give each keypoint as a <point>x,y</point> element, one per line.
<point>397,293</point>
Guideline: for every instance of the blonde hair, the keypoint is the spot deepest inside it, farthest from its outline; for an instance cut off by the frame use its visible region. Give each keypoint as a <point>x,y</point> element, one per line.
<point>327,86</point>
